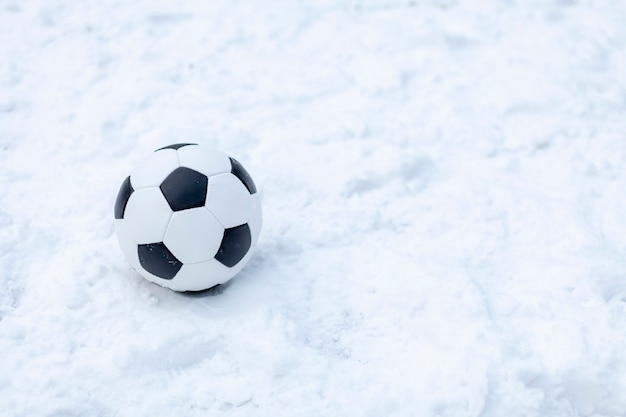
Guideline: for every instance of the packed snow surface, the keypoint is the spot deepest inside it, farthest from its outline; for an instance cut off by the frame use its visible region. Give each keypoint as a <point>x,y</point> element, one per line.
<point>444,196</point>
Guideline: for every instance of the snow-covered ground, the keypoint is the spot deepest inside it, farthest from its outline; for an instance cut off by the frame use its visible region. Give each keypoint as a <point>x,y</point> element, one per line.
<point>444,194</point>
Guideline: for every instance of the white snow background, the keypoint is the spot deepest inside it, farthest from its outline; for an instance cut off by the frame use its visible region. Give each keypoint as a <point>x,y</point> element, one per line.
<point>444,195</point>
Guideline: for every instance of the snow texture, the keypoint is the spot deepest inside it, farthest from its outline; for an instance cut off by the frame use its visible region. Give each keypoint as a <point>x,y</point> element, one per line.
<point>443,186</point>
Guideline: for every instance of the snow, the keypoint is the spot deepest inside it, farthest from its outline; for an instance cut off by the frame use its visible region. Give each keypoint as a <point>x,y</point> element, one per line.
<point>443,196</point>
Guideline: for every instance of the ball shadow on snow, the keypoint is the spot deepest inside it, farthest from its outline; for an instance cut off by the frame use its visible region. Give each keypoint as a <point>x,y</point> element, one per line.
<point>209,292</point>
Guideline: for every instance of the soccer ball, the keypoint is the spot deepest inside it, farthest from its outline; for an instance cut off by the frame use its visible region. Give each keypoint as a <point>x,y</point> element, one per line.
<point>188,217</point>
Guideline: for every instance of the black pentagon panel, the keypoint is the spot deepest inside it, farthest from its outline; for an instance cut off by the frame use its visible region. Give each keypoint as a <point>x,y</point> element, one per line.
<point>175,146</point>
<point>240,172</point>
<point>158,260</point>
<point>122,198</point>
<point>185,188</point>
<point>235,244</point>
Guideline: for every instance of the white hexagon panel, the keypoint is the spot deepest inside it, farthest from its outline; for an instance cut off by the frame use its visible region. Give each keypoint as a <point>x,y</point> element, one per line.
<point>204,160</point>
<point>229,200</point>
<point>147,215</point>
<point>194,235</point>
<point>201,275</point>
<point>127,243</point>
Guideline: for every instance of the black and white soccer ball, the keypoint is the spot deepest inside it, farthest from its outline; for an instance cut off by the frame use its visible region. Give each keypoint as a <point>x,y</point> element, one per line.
<point>188,217</point>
